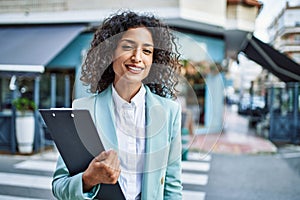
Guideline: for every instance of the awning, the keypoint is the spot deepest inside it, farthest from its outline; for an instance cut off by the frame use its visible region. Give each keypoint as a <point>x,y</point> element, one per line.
<point>31,48</point>
<point>198,27</point>
<point>269,58</point>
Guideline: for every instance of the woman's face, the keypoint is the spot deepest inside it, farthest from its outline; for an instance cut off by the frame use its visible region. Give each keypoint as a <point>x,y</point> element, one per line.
<point>133,56</point>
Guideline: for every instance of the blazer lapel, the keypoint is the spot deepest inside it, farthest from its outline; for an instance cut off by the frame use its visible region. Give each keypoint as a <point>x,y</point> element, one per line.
<point>105,118</point>
<point>155,123</point>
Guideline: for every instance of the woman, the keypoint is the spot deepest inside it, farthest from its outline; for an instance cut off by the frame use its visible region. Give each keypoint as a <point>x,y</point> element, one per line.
<point>132,69</point>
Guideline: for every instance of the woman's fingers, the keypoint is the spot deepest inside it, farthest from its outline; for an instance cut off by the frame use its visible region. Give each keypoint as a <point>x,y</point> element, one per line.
<point>112,159</point>
<point>105,168</point>
<point>102,156</point>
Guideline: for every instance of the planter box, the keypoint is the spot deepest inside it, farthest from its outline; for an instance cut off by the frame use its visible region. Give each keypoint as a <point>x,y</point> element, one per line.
<point>25,132</point>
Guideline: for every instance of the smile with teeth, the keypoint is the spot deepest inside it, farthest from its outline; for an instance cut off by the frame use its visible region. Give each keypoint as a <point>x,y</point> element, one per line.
<point>134,68</point>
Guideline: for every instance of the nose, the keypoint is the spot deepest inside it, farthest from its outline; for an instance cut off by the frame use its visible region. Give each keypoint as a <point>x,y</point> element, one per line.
<point>136,55</point>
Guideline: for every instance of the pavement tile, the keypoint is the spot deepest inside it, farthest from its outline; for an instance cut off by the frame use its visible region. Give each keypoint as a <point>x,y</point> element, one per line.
<point>235,138</point>
<point>231,143</point>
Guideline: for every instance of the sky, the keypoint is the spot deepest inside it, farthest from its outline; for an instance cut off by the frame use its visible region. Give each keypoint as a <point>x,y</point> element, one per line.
<point>271,9</point>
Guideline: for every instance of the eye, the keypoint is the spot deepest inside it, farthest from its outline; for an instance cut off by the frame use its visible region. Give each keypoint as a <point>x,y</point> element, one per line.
<point>127,47</point>
<point>147,51</point>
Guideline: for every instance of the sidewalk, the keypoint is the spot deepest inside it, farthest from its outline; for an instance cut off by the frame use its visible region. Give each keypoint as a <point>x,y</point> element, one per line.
<point>236,138</point>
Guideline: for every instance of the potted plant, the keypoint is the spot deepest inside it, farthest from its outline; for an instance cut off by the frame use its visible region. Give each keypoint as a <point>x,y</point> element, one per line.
<point>25,124</point>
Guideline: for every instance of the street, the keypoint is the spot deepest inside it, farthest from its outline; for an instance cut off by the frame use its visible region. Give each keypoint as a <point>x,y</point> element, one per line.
<point>205,177</point>
<point>221,174</point>
<point>251,177</point>
<point>29,177</point>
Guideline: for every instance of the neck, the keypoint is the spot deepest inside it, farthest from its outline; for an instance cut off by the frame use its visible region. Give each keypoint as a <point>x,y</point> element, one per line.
<point>126,90</point>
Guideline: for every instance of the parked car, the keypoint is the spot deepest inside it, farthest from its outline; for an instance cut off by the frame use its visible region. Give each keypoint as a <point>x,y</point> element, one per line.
<point>232,99</point>
<point>251,106</point>
<point>254,108</point>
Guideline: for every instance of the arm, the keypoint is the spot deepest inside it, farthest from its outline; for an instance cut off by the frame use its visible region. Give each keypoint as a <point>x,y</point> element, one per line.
<point>102,169</point>
<point>65,186</point>
<point>173,184</point>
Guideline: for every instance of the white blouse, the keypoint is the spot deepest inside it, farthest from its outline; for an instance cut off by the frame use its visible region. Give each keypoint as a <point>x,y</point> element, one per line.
<point>130,130</point>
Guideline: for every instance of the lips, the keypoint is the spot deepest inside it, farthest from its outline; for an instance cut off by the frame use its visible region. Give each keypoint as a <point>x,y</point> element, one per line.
<point>134,68</point>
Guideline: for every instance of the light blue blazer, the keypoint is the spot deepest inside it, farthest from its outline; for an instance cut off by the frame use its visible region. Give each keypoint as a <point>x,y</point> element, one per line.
<point>162,173</point>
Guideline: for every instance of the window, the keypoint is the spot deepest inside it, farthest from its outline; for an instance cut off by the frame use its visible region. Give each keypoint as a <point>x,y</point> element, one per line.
<point>61,82</point>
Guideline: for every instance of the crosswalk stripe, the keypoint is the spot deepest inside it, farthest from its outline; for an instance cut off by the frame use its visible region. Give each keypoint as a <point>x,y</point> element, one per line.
<point>40,165</point>
<point>51,155</point>
<point>187,195</point>
<point>196,179</point>
<point>197,166</point>
<point>23,180</point>
<point>47,162</point>
<point>6,197</point>
<point>197,156</point>
<point>289,155</point>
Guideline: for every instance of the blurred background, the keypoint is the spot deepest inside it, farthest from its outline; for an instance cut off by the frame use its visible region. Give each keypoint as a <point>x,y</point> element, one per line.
<point>239,86</point>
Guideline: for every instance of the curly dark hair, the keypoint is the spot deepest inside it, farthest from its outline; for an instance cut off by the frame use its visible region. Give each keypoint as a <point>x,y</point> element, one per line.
<point>97,71</point>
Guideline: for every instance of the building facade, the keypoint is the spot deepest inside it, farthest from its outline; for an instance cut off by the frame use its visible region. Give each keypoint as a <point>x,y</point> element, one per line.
<point>58,33</point>
<point>284,31</point>
<point>283,96</point>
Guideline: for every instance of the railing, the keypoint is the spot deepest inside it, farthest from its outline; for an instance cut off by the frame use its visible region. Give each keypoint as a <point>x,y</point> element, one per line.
<point>7,133</point>
<point>285,113</point>
<point>8,143</point>
<point>24,6</point>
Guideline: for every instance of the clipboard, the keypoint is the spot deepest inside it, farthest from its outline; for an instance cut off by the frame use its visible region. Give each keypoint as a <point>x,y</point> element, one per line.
<point>75,136</point>
<point>77,140</point>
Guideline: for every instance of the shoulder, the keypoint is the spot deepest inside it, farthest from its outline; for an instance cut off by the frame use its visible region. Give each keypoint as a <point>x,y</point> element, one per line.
<point>83,102</point>
<point>89,101</point>
<point>166,103</point>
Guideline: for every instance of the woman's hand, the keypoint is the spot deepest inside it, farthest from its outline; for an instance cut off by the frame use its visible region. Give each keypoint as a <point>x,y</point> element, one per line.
<point>105,168</point>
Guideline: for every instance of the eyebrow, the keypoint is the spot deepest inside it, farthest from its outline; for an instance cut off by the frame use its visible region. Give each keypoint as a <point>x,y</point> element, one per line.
<point>133,42</point>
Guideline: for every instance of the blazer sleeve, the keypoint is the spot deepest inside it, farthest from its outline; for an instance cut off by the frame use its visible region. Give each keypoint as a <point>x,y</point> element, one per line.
<point>66,187</point>
<point>173,183</point>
